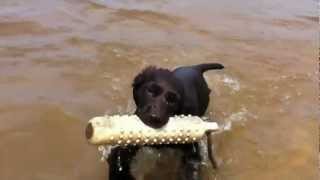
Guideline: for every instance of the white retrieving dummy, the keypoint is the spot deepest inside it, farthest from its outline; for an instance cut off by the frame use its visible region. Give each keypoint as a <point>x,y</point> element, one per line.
<point>130,130</point>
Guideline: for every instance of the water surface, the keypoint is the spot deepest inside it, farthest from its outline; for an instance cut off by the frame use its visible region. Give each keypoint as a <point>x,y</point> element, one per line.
<point>63,62</point>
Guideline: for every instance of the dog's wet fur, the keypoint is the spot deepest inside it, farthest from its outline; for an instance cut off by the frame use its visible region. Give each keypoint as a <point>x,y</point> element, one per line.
<point>158,94</point>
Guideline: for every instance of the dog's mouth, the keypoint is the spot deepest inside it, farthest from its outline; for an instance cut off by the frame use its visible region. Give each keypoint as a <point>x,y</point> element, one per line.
<point>153,120</point>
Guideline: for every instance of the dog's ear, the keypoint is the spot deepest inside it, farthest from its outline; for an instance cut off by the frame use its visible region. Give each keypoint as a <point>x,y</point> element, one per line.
<point>181,102</point>
<point>139,80</point>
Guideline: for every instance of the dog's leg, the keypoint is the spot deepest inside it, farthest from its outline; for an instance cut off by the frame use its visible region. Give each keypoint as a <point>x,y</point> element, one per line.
<point>191,162</point>
<point>210,151</point>
<point>119,163</point>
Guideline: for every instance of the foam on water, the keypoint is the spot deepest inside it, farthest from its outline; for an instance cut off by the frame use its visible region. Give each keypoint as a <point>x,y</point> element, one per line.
<point>232,83</point>
<point>240,117</point>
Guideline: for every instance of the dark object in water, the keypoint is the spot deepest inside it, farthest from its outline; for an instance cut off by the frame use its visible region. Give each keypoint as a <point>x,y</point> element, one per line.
<point>159,94</point>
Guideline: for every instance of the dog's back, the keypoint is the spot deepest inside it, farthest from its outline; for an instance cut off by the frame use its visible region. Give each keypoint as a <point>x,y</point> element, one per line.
<point>196,90</point>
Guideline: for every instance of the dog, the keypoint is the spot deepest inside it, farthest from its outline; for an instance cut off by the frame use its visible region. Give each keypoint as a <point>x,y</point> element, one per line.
<point>159,94</point>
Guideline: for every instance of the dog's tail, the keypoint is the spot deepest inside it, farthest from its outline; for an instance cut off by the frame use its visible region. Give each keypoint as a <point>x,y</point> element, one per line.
<point>205,67</point>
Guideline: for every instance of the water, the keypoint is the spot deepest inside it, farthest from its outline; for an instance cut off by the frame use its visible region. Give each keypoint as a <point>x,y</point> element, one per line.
<point>63,62</point>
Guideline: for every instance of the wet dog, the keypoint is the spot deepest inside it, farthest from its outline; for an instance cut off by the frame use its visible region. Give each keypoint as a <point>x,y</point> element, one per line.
<point>161,93</point>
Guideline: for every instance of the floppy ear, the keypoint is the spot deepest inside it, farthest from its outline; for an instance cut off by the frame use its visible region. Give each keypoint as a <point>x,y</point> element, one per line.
<point>181,96</point>
<point>139,80</point>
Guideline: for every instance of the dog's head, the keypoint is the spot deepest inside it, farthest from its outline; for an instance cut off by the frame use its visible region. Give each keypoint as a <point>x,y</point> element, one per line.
<point>158,95</point>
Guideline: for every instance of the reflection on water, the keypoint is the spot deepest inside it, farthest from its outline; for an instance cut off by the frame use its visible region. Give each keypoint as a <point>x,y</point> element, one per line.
<point>62,62</point>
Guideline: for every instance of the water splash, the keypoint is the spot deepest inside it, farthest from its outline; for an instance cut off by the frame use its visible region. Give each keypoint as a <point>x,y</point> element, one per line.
<point>240,117</point>
<point>105,152</point>
<point>232,83</point>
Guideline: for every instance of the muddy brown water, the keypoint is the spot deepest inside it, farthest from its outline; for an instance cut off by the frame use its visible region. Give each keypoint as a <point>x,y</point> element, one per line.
<point>63,62</point>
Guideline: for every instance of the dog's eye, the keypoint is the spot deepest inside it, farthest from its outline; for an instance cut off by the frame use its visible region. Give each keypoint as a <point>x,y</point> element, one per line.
<point>171,98</point>
<point>154,89</point>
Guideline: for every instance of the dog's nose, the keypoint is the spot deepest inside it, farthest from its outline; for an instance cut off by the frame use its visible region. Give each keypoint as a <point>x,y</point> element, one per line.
<point>155,118</point>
